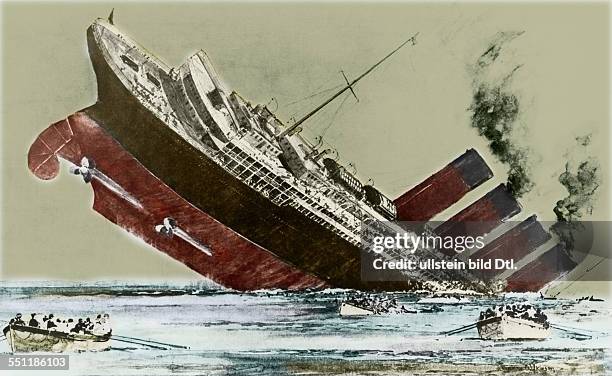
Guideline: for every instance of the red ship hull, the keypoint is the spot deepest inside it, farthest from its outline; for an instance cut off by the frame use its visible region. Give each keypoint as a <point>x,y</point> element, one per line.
<point>235,262</point>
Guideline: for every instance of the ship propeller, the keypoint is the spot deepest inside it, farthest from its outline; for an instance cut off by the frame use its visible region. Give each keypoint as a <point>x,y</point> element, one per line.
<point>86,169</point>
<point>167,227</point>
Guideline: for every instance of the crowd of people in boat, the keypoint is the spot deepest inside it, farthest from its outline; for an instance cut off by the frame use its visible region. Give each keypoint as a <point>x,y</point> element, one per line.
<point>522,311</point>
<point>377,305</point>
<point>97,326</point>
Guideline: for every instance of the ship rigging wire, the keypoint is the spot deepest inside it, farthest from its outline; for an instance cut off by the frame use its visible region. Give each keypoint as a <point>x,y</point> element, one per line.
<point>305,100</point>
<point>335,114</point>
<point>310,96</point>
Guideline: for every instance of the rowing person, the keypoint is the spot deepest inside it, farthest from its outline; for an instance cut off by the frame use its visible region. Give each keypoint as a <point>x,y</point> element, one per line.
<point>33,322</point>
<point>17,320</point>
<point>78,326</point>
<point>50,323</point>
<point>102,325</point>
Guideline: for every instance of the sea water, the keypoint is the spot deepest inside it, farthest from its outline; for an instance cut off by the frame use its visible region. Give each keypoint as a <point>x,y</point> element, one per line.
<point>278,332</point>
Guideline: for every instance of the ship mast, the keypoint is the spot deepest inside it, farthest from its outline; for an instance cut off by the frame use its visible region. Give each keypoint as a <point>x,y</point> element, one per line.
<point>349,86</point>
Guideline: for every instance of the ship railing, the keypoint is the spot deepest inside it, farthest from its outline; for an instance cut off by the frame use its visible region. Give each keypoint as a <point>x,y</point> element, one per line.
<point>143,91</point>
<point>337,216</point>
<point>135,46</point>
<point>344,232</point>
<point>258,176</point>
<point>358,208</point>
<point>245,167</point>
<point>324,209</point>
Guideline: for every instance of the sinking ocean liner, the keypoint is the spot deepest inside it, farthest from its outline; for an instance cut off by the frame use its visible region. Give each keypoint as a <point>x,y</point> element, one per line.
<point>224,186</point>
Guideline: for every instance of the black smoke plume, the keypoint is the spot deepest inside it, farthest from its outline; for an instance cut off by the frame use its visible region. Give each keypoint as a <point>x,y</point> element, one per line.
<point>581,181</point>
<point>495,110</point>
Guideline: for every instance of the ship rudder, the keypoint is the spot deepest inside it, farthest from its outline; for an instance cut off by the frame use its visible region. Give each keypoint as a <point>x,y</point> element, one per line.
<point>53,142</point>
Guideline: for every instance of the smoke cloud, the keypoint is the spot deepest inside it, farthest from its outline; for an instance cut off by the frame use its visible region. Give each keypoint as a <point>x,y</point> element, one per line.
<point>581,180</point>
<point>494,112</point>
<point>581,185</point>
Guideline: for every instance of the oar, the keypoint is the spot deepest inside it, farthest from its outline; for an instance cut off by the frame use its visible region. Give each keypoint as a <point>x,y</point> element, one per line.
<point>571,331</point>
<point>459,330</point>
<point>557,326</point>
<point>138,343</point>
<point>151,341</point>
